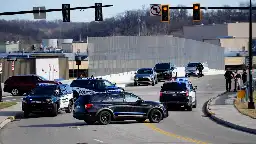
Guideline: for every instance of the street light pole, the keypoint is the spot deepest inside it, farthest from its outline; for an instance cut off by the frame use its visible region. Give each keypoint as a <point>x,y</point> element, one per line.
<point>250,103</point>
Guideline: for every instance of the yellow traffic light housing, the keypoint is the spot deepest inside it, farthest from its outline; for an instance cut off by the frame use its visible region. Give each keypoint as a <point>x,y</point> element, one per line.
<point>165,16</point>
<point>196,12</point>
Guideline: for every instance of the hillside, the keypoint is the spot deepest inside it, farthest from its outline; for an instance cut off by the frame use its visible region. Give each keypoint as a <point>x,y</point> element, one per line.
<point>124,24</point>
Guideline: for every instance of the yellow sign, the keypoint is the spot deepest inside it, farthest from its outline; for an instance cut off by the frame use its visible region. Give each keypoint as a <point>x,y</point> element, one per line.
<point>241,94</point>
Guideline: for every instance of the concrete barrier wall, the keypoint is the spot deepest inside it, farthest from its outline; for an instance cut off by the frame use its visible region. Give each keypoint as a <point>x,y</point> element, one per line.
<point>113,55</point>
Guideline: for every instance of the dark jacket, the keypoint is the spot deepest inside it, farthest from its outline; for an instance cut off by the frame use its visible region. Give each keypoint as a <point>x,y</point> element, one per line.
<point>244,76</point>
<point>228,74</point>
<point>238,75</point>
<point>200,66</point>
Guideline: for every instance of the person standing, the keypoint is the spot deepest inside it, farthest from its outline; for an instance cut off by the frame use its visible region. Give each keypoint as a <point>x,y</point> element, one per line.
<point>237,81</point>
<point>228,76</point>
<point>244,76</point>
<point>200,68</point>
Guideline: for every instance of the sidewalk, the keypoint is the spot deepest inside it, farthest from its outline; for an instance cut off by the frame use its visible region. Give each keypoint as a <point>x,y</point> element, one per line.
<point>8,114</point>
<point>222,110</point>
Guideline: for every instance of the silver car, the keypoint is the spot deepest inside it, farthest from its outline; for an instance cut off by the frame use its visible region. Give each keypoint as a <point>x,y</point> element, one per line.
<point>191,69</point>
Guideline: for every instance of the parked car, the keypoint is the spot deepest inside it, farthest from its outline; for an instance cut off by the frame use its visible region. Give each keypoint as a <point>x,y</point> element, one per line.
<point>191,69</point>
<point>165,71</point>
<point>18,85</point>
<point>145,76</point>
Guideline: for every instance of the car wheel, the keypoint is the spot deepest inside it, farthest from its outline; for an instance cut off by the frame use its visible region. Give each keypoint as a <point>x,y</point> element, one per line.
<point>189,108</point>
<point>153,83</point>
<point>194,106</point>
<point>70,107</point>
<point>104,117</point>
<point>155,116</point>
<point>141,120</point>
<point>15,92</point>
<point>54,110</point>
<point>26,114</point>
<point>89,122</point>
<point>135,84</point>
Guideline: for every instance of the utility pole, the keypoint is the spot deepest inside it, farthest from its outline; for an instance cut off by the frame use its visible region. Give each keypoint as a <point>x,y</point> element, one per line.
<point>250,103</point>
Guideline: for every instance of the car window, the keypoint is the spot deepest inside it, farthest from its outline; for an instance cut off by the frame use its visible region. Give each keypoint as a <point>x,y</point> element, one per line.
<point>162,66</point>
<point>82,83</point>
<point>107,83</point>
<point>145,71</point>
<point>174,86</point>
<point>192,64</point>
<point>117,98</point>
<point>101,98</point>
<point>131,97</point>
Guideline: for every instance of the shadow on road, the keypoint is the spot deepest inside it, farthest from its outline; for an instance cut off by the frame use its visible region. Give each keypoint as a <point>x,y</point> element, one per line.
<point>9,113</point>
<point>58,125</point>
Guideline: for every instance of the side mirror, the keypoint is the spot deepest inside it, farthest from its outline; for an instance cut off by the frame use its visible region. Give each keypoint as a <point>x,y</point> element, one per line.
<point>139,101</point>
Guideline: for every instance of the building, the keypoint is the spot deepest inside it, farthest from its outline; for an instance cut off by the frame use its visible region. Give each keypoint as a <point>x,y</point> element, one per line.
<point>233,37</point>
<point>9,47</point>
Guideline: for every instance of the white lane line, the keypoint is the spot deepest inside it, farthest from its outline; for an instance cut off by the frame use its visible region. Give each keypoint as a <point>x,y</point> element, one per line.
<point>14,99</point>
<point>98,140</point>
<point>7,100</point>
<point>8,96</point>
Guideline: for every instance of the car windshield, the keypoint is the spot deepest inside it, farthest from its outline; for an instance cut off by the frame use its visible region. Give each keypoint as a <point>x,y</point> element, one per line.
<point>192,64</point>
<point>162,66</point>
<point>47,90</point>
<point>145,71</point>
<point>174,86</point>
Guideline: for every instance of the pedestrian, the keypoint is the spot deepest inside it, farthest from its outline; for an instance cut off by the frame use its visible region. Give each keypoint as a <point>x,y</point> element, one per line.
<point>228,76</point>
<point>200,68</point>
<point>244,76</point>
<point>237,81</point>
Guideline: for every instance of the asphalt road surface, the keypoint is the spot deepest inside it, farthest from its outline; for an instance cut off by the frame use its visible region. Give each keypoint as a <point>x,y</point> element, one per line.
<point>180,127</point>
<point>7,97</point>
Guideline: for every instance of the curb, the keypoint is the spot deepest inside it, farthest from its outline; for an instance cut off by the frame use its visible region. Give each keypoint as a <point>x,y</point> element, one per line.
<point>7,120</point>
<point>212,116</point>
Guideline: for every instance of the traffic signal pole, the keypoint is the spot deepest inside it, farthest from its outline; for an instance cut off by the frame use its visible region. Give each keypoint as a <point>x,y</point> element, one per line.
<point>250,103</point>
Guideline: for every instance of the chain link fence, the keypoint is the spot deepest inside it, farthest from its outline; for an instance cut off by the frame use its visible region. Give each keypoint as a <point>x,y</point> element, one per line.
<point>111,55</point>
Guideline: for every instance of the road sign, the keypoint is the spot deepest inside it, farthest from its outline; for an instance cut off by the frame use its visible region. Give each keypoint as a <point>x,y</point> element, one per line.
<point>12,65</point>
<point>39,15</point>
<point>155,9</point>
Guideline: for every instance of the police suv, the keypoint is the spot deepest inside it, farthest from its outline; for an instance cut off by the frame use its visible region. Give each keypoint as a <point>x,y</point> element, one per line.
<point>48,98</point>
<point>179,92</point>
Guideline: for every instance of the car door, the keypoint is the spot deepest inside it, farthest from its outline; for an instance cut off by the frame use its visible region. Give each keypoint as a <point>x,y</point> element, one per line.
<point>192,92</point>
<point>119,107</point>
<point>64,97</point>
<point>135,109</point>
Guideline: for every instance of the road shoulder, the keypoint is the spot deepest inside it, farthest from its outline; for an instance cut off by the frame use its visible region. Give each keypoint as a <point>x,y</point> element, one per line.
<point>221,110</point>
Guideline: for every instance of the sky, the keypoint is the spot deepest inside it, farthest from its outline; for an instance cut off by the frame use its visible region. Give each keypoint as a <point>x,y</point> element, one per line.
<point>88,15</point>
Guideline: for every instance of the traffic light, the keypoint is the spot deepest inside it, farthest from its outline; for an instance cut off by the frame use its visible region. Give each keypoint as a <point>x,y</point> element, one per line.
<point>98,12</point>
<point>66,12</point>
<point>196,12</point>
<point>165,13</point>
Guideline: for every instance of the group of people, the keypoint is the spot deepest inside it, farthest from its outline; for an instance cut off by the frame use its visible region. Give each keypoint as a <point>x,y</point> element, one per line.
<point>229,75</point>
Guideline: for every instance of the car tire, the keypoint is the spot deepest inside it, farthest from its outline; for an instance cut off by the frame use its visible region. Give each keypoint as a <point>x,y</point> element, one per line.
<point>194,106</point>
<point>135,83</point>
<point>104,117</point>
<point>70,107</point>
<point>15,92</point>
<point>189,108</point>
<point>54,110</point>
<point>90,122</point>
<point>153,83</point>
<point>155,116</point>
<point>26,114</point>
<point>141,120</point>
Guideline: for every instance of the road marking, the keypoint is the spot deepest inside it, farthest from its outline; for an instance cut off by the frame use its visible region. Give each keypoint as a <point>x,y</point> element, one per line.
<point>14,99</point>
<point>8,100</point>
<point>98,140</point>
<point>153,127</point>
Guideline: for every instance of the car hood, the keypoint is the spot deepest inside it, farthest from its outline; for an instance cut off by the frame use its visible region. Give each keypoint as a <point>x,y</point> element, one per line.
<point>143,75</point>
<point>190,68</point>
<point>161,70</point>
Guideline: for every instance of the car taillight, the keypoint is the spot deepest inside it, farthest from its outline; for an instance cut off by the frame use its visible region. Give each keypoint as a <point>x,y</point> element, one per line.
<point>161,94</point>
<point>186,93</point>
<point>87,106</point>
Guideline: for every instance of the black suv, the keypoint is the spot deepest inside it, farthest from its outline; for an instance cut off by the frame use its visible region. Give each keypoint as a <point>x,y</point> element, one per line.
<point>106,107</point>
<point>20,84</point>
<point>165,71</point>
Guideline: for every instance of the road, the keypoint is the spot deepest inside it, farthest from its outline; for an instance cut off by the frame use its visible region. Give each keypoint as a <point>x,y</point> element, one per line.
<point>179,127</point>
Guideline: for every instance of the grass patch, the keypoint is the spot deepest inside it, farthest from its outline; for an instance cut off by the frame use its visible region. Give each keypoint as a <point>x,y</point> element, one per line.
<point>6,104</point>
<point>242,107</point>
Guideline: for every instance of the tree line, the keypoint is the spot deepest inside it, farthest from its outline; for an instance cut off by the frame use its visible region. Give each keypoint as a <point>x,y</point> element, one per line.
<point>129,23</point>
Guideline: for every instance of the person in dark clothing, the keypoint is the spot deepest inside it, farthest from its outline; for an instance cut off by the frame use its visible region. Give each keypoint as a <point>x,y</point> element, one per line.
<point>237,81</point>
<point>228,76</point>
<point>244,76</point>
<point>200,68</point>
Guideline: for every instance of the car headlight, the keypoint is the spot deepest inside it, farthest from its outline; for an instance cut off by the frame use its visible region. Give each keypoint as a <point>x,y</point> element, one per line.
<point>48,100</point>
<point>24,101</point>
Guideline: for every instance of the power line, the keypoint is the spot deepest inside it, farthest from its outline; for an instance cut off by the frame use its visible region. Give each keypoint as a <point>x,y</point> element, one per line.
<point>48,10</point>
